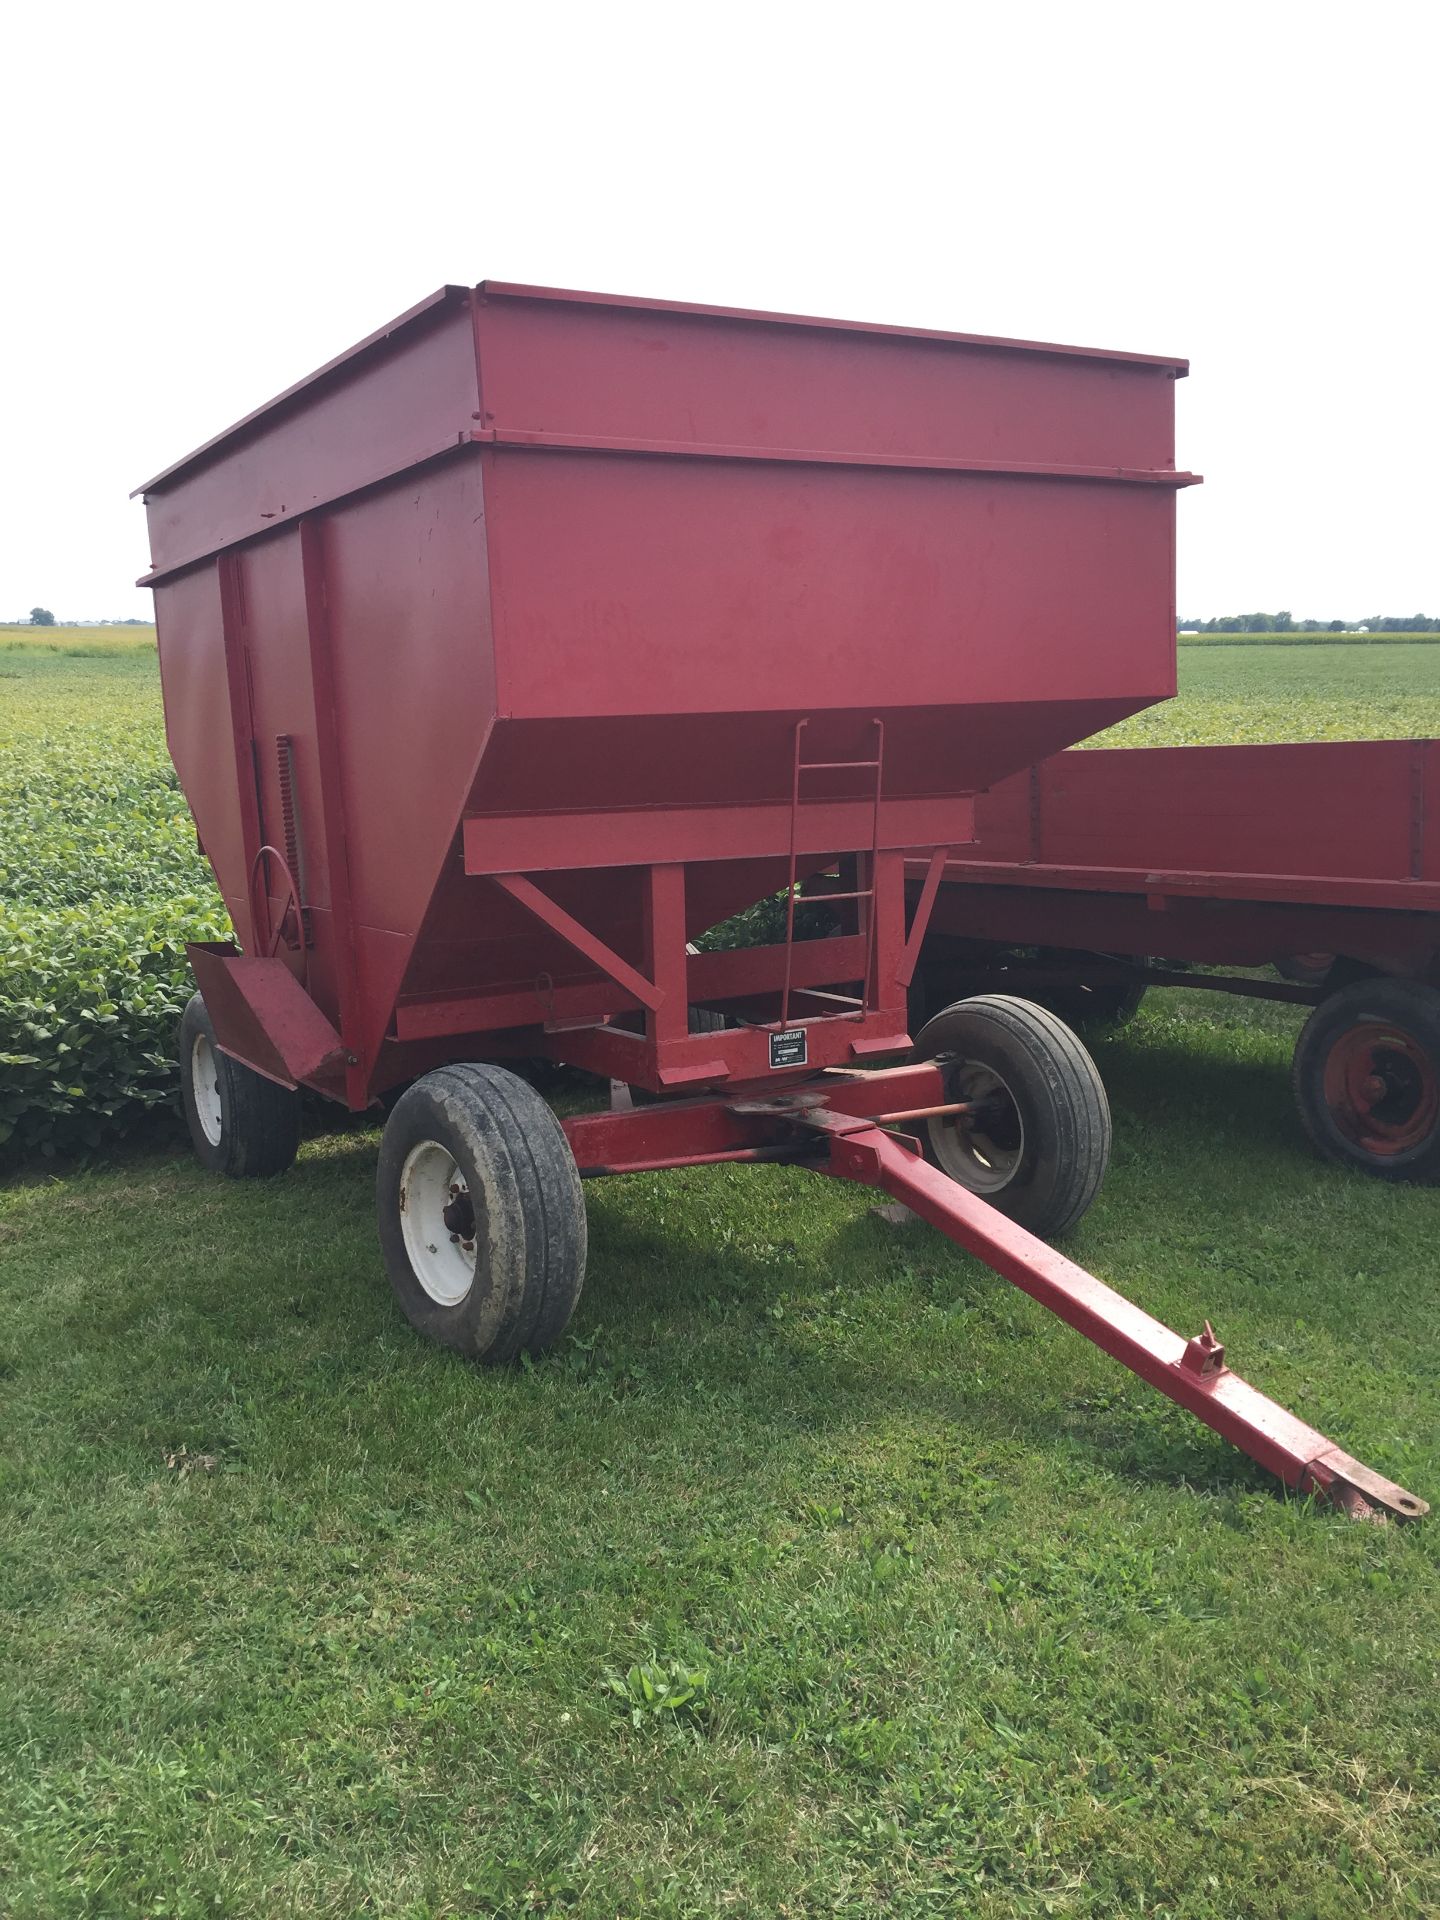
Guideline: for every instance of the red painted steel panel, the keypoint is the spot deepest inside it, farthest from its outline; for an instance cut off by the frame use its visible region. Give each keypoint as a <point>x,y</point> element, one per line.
<point>408,601</point>
<point>490,290</point>
<point>616,576</point>
<point>272,621</point>
<point>533,843</point>
<point>198,723</point>
<point>1327,810</point>
<point>263,1015</point>
<point>644,761</point>
<point>696,377</point>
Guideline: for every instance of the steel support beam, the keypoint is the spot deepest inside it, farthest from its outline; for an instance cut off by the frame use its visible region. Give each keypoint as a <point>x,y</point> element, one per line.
<point>589,944</point>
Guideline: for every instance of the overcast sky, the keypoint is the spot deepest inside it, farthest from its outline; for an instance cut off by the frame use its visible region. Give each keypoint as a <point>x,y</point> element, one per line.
<point>203,202</point>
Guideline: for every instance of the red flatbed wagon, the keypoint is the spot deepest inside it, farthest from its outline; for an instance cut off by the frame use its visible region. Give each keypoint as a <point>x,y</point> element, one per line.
<point>1094,872</point>
<point>540,633</point>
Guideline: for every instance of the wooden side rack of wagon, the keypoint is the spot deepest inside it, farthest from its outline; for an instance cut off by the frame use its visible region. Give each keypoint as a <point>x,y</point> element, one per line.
<point>542,632</point>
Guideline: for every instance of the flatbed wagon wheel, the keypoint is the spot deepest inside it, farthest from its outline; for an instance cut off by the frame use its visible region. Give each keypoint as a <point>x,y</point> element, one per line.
<point>1035,1141</point>
<point>1305,969</point>
<point>482,1221</point>
<point>1366,1077</point>
<point>241,1124</point>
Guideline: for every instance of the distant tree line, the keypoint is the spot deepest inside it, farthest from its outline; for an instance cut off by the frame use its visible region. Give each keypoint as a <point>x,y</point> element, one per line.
<point>1284,623</point>
<point>43,617</point>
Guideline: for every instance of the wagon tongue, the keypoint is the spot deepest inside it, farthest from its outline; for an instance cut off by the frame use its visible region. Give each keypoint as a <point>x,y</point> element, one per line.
<point>1193,1373</point>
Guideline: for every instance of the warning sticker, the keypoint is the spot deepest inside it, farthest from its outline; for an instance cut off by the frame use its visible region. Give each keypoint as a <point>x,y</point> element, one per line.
<point>788,1048</point>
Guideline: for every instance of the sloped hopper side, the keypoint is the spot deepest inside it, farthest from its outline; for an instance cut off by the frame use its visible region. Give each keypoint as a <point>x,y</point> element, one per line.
<point>542,583</point>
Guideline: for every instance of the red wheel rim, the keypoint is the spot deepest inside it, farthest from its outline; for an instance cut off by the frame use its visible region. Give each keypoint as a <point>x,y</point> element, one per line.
<point>1382,1088</point>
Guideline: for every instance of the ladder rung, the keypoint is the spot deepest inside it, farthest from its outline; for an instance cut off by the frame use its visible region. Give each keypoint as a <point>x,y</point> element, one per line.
<point>831,766</point>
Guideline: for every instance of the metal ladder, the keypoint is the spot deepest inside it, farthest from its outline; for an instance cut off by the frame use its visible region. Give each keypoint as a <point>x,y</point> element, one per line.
<point>876,765</point>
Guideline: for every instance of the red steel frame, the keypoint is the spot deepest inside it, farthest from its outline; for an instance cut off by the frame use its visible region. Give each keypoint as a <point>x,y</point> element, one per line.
<point>842,1124</point>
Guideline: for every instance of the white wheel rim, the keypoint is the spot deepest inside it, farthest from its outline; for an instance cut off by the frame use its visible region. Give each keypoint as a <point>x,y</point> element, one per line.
<point>205,1088</point>
<point>441,1258</point>
<point>964,1145</point>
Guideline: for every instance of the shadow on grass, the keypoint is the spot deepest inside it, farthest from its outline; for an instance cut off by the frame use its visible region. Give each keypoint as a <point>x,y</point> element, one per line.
<point>1248,1101</point>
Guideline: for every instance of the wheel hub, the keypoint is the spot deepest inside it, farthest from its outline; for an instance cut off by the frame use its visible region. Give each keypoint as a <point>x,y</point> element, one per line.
<point>1381,1088</point>
<point>459,1216</point>
<point>205,1088</point>
<point>437,1218</point>
<point>983,1147</point>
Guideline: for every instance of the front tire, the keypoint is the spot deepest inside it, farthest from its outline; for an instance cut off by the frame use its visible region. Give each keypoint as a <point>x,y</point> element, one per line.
<point>241,1124</point>
<point>482,1220</point>
<point>1036,1141</point>
<point>1366,1077</point>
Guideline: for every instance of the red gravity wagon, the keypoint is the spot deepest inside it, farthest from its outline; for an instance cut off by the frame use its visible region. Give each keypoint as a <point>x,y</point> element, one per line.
<point>541,632</point>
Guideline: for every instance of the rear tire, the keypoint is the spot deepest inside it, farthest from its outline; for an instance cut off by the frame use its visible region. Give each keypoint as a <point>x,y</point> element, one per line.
<point>1306,969</point>
<point>241,1124</point>
<point>482,1220</point>
<point>1366,1077</point>
<point>1039,1142</point>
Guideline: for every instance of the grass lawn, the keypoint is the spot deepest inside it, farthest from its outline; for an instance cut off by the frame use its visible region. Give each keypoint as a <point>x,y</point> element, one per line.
<point>818,1571</point>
